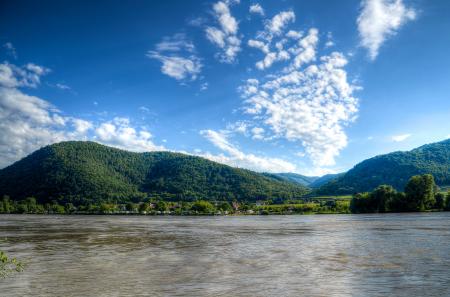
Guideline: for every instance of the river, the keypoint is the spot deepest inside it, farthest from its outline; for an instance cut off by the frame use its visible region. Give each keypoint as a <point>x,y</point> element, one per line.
<point>309,255</point>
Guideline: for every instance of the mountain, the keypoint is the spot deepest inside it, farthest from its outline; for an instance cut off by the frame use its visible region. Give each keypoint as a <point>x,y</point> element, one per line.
<point>307,181</point>
<point>84,172</point>
<point>295,178</point>
<point>324,179</point>
<point>394,169</point>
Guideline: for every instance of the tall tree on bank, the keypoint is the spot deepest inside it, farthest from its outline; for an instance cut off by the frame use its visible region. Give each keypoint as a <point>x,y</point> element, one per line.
<point>420,191</point>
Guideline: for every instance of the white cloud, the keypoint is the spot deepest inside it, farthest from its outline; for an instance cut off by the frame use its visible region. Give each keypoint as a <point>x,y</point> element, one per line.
<point>179,68</point>
<point>237,158</point>
<point>119,133</point>
<point>400,138</point>
<point>309,102</point>
<point>310,106</point>
<point>306,51</point>
<point>204,86</point>
<point>279,21</point>
<point>259,45</point>
<point>380,19</point>
<point>29,122</point>
<point>257,133</point>
<point>256,9</point>
<point>144,109</point>
<point>62,86</point>
<point>294,34</point>
<point>82,126</point>
<point>293,44</point>
<point>175,43</point>
<point>178,58</point>
<point>225,37</point>
<point>12,76</point>
<point>11,50</point>
<point>330,41</point>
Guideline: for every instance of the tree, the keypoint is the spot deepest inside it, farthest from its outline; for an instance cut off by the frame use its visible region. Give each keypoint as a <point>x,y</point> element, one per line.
<point>225,206</point>
<point>359,203</point>
<point>382,198</point>
<point>130,206</point>
<point>161,206</point>
<point>202,206</point>
<point>419,192</point>
<point>447,202</point>
<point>440,201</point>
<point>143,207</point>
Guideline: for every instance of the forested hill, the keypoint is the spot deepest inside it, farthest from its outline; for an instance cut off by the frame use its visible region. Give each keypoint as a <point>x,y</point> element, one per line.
<point>84,172</point>
<point>295,178</point>
<point>394,169</point>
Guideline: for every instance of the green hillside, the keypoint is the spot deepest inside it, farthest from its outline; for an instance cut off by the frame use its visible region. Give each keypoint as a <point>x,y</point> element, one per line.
<point>394,169</point>
<point>83,172</point>
<point>295,178</point>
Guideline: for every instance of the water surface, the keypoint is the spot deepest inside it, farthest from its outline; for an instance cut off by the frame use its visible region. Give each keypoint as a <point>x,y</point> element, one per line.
<point>317,255</point>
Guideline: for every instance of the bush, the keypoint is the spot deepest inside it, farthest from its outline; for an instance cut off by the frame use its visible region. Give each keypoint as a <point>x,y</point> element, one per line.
<point>202,206</point>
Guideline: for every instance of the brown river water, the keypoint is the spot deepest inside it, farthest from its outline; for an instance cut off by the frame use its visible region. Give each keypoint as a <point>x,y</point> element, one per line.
<point>310,255</point>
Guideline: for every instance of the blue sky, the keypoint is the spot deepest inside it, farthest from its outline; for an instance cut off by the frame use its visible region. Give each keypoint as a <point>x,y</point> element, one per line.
<point>303,86</point>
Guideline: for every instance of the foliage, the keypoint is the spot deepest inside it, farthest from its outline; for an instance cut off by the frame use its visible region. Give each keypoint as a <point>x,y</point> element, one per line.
<point>202,207</point>
<point>394,169</point>
<point>294,177</point>
<point>420,195</point>
<point>86,172</point>
<point>420,192</point>
<point>9,265</point>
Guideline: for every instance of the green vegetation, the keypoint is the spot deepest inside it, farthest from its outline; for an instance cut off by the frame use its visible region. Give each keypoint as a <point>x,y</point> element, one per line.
<point>9,265</point>
<point>199,207</point>
<point>394,169</point>
<point>83,173</point>
<point>420,195</point>
<point>89,178</point>
<point>295,178</point>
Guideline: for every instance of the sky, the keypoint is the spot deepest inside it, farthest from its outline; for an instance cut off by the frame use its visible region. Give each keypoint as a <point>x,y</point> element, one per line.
<point>311,87</point>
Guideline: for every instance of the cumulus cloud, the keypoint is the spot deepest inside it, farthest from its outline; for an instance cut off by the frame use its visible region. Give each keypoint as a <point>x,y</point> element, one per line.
<point>225,36</point>
<point>279,21</point>
<point>277,46</point>
<point>29,75</point>
<point>256,9</point>
<point>119,133</point>
<point>29,122</point>
<point>307,103</point>
<point>379,20</point>
<point>178,58</point>
<point>400,138</point>
<point>235,157</point>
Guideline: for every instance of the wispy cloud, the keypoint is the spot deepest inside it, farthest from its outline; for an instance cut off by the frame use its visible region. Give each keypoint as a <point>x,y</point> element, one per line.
<point>11,50</point>
<point>62,86</point>
<point>380,19</point>
<point>400,138</point>
<point>225,36</point>
<point>235,157</point>
<point>178,57</point>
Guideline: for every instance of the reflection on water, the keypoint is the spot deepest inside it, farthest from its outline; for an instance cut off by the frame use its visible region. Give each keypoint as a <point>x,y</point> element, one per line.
<point>319,255</point>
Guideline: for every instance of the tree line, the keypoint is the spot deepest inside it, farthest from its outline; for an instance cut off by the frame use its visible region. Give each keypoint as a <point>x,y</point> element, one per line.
<point>420,194</point>
<point>161,207</point>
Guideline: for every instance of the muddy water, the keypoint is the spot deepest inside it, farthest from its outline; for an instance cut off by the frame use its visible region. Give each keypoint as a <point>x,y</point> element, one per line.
<point>317,255</point>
